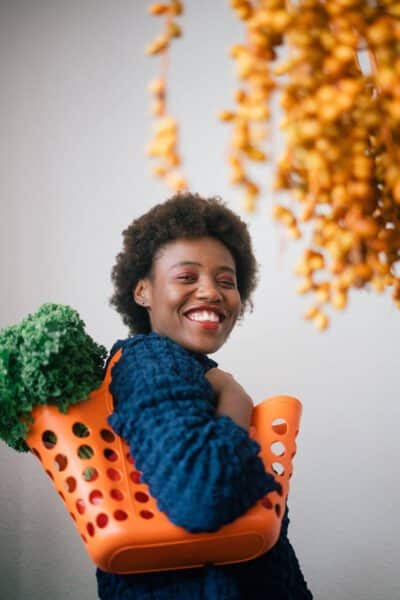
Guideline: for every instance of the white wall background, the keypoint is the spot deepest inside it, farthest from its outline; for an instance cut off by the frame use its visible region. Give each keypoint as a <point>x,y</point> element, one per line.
<point>74,122</point>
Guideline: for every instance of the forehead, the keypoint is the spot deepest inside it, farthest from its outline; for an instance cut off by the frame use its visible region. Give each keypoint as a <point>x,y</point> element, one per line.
<point>206,251</point>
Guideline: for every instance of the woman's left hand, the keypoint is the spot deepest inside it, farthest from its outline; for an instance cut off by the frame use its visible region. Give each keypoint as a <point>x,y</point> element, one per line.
<point>233,400</point>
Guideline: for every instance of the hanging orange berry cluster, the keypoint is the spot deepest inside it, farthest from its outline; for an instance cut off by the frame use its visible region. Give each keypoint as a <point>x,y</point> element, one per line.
<point>340,94</point>
<point>164,144</point>
<point>253,69</point>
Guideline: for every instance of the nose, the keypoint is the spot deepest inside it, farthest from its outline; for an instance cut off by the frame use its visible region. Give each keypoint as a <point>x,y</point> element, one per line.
<point>208,290</point>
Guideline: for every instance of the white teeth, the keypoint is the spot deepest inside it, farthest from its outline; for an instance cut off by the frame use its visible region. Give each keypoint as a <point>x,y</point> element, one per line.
<point>203,315</point>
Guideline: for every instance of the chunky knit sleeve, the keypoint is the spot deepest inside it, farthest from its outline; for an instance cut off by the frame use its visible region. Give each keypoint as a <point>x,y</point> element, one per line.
<point>204,471</point>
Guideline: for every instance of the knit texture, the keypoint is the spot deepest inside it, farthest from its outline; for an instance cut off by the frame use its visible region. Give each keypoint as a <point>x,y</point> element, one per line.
<point>204,472</point>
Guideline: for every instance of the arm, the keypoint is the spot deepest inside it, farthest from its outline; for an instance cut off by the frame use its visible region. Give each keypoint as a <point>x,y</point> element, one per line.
<point>203,470</point>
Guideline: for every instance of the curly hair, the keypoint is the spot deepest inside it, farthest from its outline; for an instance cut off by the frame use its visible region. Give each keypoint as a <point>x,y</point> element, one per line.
<point>184,215</point>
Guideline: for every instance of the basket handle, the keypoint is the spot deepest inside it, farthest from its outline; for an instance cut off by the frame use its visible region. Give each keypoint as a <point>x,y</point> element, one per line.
<point>107,380</point>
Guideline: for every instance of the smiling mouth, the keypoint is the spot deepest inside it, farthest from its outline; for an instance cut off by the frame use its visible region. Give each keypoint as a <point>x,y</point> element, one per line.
<point>202,314</point>
<point>205,319</point>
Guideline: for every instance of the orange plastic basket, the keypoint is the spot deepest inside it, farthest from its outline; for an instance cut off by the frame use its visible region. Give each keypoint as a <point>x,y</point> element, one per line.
<point>117,518</point>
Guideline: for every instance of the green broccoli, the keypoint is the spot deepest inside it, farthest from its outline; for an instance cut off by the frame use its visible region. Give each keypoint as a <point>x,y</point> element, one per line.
<point>46,359</point>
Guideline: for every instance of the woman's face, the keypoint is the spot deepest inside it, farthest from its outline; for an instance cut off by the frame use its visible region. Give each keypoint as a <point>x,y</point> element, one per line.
<point>192,295</point>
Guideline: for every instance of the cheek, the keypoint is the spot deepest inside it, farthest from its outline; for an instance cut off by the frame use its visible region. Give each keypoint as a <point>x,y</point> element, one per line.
<point>172,299</point>
<point>238,304</point>
<point>175,298</point>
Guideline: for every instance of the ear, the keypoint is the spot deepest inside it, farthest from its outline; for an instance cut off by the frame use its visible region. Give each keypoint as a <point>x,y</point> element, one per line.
<point>142,293</point>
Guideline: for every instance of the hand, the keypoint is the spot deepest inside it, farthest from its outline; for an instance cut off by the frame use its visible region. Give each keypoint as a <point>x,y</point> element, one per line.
<point>233,400</point>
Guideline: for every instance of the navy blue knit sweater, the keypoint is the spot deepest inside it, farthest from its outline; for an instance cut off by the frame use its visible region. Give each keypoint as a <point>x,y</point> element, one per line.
<point>204,472</point>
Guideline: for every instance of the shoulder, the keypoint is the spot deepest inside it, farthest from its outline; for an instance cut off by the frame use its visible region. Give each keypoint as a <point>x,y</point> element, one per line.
<point>152,365</point>
<point>206,362</point>
<point>153,347</point>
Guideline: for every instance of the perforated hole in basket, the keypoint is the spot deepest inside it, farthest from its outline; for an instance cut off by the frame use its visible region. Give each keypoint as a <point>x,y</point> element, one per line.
<point>278,468</point>
<point>110,454</point>
<point>141,497</point>
<point>90,474</point>
<point>60,462</point>
<point>278,448</point>
<point>146,514</point>
<point>116,494</point>
<point>49,439</point>
<point>85,452</point>
<point>96,497</point>
<point>135,476</point>
<point>107,435</point>
<point>279,426</point>
<point>102,520</point>
<point>120,515</point>
<point>80,506</point>
<point>114,474</point>
<point>70,484</point>
<point>266,503</point>
<point>80,430</point>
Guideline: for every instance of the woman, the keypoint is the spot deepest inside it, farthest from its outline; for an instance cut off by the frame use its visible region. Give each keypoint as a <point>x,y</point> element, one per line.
<point>183,280</point>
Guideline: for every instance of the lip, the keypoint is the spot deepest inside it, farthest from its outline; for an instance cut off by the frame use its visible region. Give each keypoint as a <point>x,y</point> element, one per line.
<point>213,325</point>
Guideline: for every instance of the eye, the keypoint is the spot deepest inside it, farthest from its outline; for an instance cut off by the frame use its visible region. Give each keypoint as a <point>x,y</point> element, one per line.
<point>227,282</point>
<point>186,277</point>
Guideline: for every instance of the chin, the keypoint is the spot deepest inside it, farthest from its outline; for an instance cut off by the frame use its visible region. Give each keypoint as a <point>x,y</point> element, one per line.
<point>204,347</point>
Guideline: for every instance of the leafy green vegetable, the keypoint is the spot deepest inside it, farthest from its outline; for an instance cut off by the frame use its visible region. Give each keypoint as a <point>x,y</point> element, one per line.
<point>46,359</point>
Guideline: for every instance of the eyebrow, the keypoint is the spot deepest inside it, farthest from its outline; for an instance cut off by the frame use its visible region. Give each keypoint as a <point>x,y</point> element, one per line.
<point>190,262</point>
